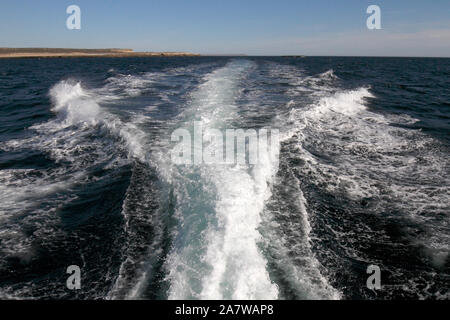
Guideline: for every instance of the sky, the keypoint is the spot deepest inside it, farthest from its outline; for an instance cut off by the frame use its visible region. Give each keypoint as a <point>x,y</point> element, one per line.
<point>252,27</point>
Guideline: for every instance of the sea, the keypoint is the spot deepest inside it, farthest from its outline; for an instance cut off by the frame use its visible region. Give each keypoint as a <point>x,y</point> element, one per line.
<point>357,194</point>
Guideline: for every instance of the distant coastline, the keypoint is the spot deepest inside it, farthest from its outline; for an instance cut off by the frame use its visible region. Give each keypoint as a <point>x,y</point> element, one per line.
<point>78,53</point>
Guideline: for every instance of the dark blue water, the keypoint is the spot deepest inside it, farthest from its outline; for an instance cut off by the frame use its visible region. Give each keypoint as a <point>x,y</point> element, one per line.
<point>362,178</point>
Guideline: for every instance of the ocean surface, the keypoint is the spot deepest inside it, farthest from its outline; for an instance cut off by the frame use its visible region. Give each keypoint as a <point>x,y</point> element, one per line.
<point>362,178</point>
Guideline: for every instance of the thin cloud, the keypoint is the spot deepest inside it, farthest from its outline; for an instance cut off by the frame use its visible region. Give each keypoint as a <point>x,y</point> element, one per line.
<point>433,43</point>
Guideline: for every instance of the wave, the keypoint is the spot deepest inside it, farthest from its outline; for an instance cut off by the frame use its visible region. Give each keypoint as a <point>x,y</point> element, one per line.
<point>318,85</point>
<point>328,75</point>
<point>285,218</point>
<point>82,138</point>
<point>73,103</point>
<point>351,152</point>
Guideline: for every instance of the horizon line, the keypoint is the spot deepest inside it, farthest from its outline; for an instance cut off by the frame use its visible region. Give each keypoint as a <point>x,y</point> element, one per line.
<point>123,50</point>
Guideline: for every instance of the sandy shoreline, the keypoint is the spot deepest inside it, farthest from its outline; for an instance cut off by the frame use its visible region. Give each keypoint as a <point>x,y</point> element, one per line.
<point>79,53</point>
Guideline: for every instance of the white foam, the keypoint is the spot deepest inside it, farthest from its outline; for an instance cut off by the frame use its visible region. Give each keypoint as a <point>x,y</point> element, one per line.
<point>73,102</point>
<point>137,269</point>
<point>348,103</point>
<point>373,159</point>
<point>233,251</point>
<point>224,260</point>
<point>77,137</point>
<point>76,106</point>
<point>285,223</point>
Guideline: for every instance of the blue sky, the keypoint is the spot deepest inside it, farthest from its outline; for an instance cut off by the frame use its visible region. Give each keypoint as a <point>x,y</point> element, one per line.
<point>409,27</point>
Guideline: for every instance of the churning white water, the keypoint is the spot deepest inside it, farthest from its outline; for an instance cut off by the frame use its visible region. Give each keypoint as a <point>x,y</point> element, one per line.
<point>216,253</point>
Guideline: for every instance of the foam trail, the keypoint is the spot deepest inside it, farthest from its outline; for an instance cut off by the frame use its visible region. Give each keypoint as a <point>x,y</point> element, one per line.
<point>79,106</point>
<point>285,218</point>
<point>145,204</point>
<point>373,159</point>
<point>216,253</point>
